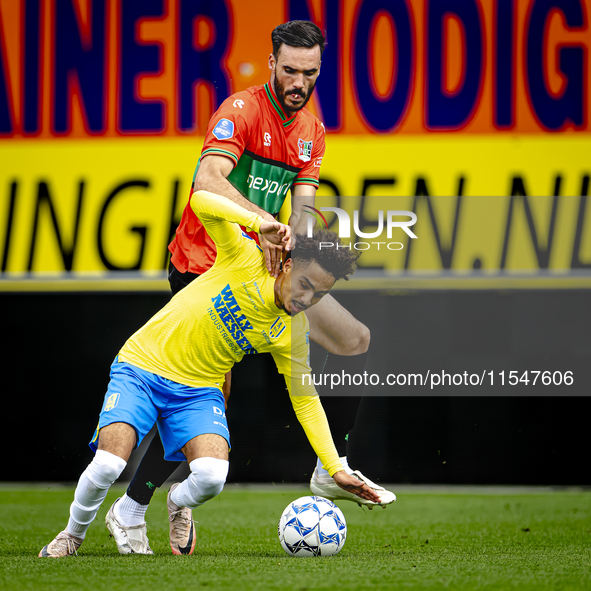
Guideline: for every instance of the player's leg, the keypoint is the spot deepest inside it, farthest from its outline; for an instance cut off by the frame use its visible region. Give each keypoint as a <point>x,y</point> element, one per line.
<point>346,340</point>
<point>152,472</point>
<point>127,416</point>
<point>116,442</point>
<point>207,455</point>
<point>194,426</point>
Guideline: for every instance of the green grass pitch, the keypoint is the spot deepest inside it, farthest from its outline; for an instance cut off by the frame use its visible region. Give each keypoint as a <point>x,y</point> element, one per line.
<point>479,539</point>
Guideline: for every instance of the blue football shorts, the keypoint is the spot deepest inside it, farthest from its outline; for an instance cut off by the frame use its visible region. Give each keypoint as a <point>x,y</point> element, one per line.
<point>141,399</point>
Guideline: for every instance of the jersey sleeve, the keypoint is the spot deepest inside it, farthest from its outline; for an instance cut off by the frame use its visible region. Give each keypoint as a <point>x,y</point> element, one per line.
<point>229,129</point>
<point>222,219</point>
<point>292,362</point>
<point>310,173</point>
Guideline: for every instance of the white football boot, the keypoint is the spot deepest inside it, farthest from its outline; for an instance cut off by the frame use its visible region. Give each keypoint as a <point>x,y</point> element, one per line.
<point>130,539</point>
<point>64,544</point>
<point>324,486</point>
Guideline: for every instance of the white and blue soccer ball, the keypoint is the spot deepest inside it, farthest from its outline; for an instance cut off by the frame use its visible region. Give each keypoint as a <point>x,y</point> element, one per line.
<point>312,526</point>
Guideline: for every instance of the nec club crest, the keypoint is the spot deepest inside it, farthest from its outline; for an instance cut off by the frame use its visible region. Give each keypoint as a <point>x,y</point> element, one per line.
<point>305,149</point>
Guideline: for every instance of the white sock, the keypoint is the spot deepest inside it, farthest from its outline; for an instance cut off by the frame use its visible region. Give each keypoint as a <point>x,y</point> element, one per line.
<point>130,512</point>
<point>324,473</point>
<point>345,463</point>
<point>320,469</point>
<point>92,489</point>
<point>207,479</point>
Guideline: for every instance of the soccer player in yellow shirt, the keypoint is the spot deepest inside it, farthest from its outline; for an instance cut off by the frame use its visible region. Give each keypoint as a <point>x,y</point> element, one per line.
<point>171,371</point>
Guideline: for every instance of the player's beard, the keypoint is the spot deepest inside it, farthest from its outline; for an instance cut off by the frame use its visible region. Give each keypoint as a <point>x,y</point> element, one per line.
<point>281,94</point>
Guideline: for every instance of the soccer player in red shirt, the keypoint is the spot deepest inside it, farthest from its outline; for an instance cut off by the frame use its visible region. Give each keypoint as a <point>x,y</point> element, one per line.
<point>260,144</point>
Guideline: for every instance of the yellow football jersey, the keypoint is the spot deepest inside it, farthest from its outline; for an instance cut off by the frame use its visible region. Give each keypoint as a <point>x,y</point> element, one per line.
<point>229,312</point>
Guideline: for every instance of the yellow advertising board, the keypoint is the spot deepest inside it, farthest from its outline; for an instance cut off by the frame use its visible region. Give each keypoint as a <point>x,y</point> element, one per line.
<point>473,115</point>
<point>484,205</point>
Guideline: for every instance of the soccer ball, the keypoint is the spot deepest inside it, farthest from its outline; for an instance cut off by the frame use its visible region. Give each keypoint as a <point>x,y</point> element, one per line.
<point>312,526</point>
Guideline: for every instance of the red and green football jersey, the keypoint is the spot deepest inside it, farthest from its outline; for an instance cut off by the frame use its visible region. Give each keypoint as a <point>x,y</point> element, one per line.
<point>271,153</point>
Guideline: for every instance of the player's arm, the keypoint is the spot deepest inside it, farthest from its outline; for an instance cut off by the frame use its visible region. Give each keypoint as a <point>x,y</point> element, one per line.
<point>212,176</point>
<point>292,363</point>
<point>220,216</point>
<point>305,185</point>
<point>291,357</point>
<point>313,420</point>
<point>301,195</point>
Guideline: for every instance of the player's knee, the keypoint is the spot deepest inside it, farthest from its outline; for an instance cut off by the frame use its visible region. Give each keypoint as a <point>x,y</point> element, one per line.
<point>105,468</point>
<point>208,476</point>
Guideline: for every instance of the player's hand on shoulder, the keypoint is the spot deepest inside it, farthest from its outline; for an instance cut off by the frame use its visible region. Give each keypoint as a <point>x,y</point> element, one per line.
<point>275,237</point>
<point>355,486</point>
<point>276,233</point>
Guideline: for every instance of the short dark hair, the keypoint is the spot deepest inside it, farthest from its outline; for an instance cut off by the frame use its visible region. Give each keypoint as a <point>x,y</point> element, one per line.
<point>336,259</point>
<point>297,34</point>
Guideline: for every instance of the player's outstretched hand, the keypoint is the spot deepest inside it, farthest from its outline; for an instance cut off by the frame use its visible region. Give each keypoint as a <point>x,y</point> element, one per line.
<point>355,486</point>
<point>275,237</point>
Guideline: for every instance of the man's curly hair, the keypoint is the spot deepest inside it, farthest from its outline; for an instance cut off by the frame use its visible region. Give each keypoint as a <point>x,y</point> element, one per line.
<point>339,262</point>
